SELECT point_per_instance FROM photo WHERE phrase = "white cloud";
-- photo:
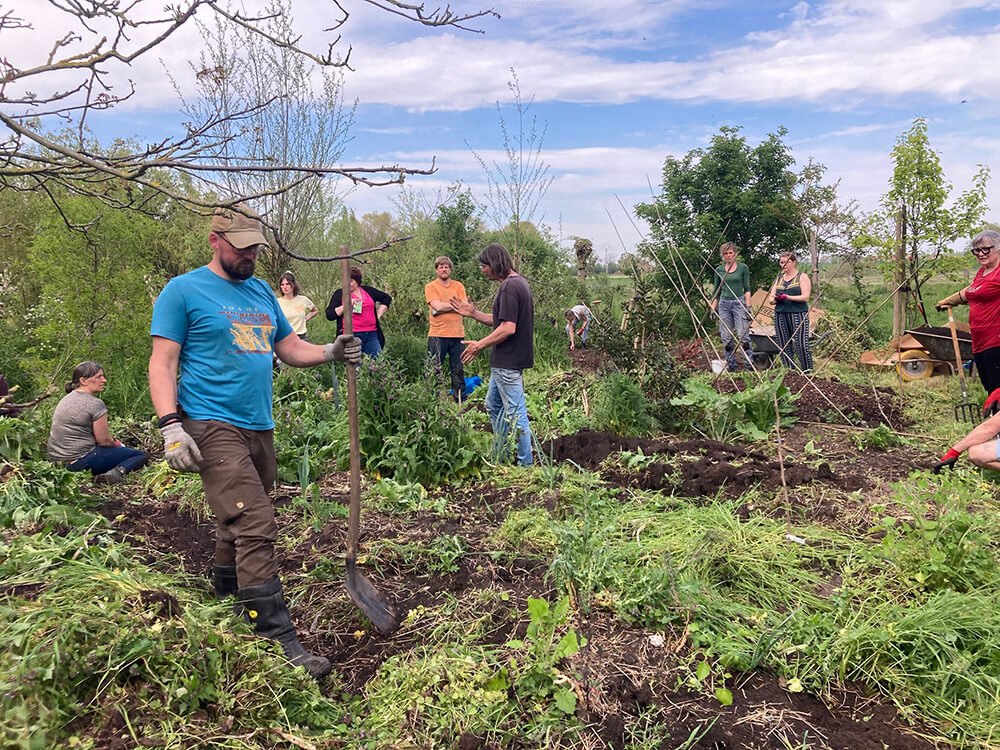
(844, 50)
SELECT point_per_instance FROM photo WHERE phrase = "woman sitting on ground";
(79, 438)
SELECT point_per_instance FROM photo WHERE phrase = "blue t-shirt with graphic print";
(227, 331)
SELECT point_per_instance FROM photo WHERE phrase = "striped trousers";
(792, 331)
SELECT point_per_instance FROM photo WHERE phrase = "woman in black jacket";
(367, 304)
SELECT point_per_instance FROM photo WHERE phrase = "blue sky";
(622, 85)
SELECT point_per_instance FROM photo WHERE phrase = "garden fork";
(967, 411)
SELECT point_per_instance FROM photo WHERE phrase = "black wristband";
(168, 419)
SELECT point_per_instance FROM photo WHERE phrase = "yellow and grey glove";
(344, 349)
(955, 299)
(179, 449)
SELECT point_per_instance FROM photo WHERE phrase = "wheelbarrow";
(917, 364)
(764, 342)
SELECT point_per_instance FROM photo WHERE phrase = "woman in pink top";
(367, 304)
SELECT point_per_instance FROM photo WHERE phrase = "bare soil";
(833, 402)
(623, 673)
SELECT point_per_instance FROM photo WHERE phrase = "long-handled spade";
(967, 411)
(362, 592)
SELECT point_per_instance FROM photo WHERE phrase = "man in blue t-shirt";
(220, 326)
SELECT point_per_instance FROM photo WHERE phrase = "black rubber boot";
(265, 607)
(224, 580)
(112, 476)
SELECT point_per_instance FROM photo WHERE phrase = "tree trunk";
(814, 254)
(899, 278)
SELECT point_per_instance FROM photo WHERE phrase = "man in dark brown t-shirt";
(512, 341)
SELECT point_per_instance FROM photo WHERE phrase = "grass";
(96, 639)
(909, 608)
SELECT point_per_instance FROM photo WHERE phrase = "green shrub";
(620, 407)
(309, 430)
(409, 431)
(409, 352)
(749, 413)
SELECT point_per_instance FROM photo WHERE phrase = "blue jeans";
(441, 346)
(104, 458)
(734, 328)
(370, 345)
(508, 411)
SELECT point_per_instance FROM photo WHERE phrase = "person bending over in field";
(579, 317)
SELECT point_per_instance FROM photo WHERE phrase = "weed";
(748, 413)
(880, 438)
(402, 498)
(832, 416)
(620, 406)
(442, 555)
(532, 668)
(636, 461)
(101, 637)
(410, 433)
(526, 531)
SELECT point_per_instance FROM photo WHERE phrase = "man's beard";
(241, 270)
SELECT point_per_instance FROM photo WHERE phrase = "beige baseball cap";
(240, 225)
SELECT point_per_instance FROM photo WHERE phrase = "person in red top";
(368, 305)
(983, 298)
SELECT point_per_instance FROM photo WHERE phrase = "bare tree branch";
(101, 39)
(357, 254)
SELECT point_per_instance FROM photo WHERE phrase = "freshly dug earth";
(718, 467)
(623, 674)
(833, 402)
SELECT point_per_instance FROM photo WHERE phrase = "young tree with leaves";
(930, 222)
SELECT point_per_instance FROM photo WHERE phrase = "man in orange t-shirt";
(447, 327)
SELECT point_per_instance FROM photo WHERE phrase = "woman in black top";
(790, 294)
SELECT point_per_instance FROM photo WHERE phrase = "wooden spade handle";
(354, 520)
(958, 352)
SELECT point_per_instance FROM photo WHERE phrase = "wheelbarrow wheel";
(914, 364)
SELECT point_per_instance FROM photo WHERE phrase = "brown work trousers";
(238, 469)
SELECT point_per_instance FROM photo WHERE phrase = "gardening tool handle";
(354, 519)
(958, 353)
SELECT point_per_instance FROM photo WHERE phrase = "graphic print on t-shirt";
(251, 331)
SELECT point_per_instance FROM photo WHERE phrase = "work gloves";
(944, 304)
(179, 449)
(947, 461)
(992, 405)
(344, 349)
(780, 297)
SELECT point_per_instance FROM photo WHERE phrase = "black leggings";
(988, 367)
